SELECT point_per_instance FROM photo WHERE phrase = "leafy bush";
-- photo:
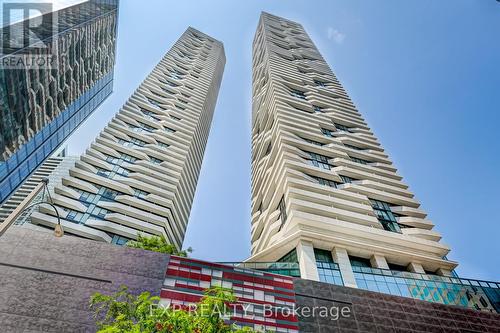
(157, 244)
(123, 312)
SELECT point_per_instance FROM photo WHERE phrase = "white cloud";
(335, 35)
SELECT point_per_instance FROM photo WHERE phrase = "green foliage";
(123, 312)
(157, 244)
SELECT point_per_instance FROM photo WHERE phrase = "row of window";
(382, 209)
(300, 94)
(385, 215)
(320, 161)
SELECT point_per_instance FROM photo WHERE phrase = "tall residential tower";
(324, 192)
(50, 84)
(140, 174)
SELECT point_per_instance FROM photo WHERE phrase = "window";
(119, 161)
(327, 132)
(297, 93)
(347, 180)
(132, 143)
(268, 150)
(359, 160)
(155, 160)
(99, 212)
(396, 267)
(164, 145)
(289, 257)
(341, 127)
(359, 262)
(318, 109)
(120, 171)
(282, 209)
(174, 75)
(328, 270)
(108, 193)
(149, 115)
(320, 83)
(104, 173)
(128, 158)
(140, 194)
(320, 161)
(74, 216)
(85, 196)
(119, 240)
(143, 128)
(323, 255)
(385, 215)
(169, 130)
(147, 127)
(327, 182)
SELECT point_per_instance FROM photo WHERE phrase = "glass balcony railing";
(474, 294)
(282, 268)
(469, 293)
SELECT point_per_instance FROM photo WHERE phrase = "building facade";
(41, 105)
(324, 192)
(140, 174)
(58, 275)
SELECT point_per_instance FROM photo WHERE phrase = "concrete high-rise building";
(50, 84)
(140, 174)
(324, 192)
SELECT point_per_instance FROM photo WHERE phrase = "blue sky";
(424, 73)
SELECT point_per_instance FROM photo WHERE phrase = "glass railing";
(282, 268)
(474, 294)
(469, 293)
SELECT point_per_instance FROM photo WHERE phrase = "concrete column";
(416, 268)
(342, 259)
(378, 261)
(307, 261)
(443, 272)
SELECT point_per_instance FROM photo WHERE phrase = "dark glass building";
(52, 77)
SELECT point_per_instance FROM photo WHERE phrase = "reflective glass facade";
(41, 106)
(479, 295)
(474, 294)
(282, 268)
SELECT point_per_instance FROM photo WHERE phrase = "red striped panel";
(189, 275)
(184, 266)
(186, 286)
(179, 296)
(264, 289)
(260, 322)
(255, 279)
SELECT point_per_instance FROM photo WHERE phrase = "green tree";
(123, 312)
(157, 244)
